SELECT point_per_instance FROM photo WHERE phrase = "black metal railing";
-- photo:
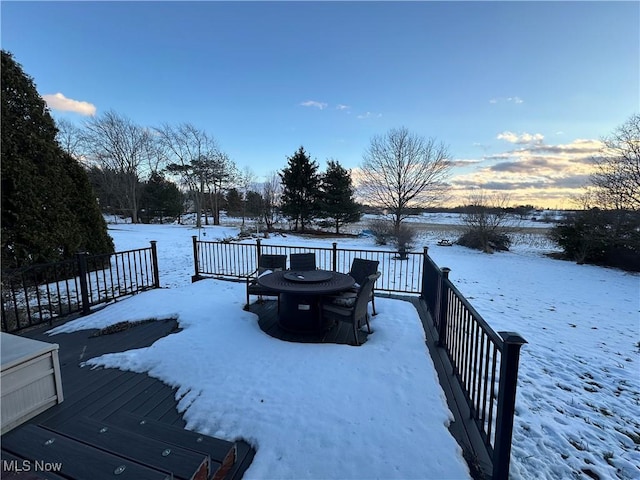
(41, 293)
(401, 271)
(484, 362)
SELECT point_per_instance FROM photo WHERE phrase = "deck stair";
(126, 446)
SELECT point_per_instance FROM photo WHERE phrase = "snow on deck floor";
(311, 410)
(579, 384)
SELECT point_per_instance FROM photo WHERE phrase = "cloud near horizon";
(537, 174)
(58, 101)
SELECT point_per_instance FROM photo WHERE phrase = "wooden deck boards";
(463, 428)
(102, 394)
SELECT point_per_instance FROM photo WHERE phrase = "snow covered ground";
(364, 408)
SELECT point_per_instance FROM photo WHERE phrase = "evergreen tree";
(301, 189)
(49, 210)
(161, 198)
(234, 203)
(255, 204)
(337, 196)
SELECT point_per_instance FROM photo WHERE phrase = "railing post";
(154, 260)
(444, 307)
(423, 286)
(81, 258)
(258, 251)
(334, 259)
(506, 403)
(196, 277)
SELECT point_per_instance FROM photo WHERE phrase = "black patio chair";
(360, 269)
(356, 313)
(265, 263)
(303, 262)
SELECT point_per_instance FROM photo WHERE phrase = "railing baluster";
(117, 273)
(492, 397)
(477, 352)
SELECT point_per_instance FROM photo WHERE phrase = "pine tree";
(161, 198)
(301, 189)
(337, 196)
(255, 204)
(234, 203)
(49, 210)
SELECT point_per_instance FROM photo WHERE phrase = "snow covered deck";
(119, 401)
(103, 394)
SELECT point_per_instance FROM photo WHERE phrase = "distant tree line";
(142, 171)
(146, 173)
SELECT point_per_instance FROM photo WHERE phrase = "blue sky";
(520, 91)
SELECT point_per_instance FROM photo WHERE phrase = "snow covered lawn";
(328, 411)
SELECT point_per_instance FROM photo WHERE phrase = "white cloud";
(58, 101)
(369, 115)
(523, 138)
(343, 107)
(313, 103)
(516, 100)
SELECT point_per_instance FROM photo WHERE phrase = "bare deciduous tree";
(271, 193)
(401, 170)
(246, 179)
(115, 143)
(488, 223)
(187, 149)
(617, 175)
(70, 137)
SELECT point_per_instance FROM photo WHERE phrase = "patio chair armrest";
(251, 278)
(253, 274)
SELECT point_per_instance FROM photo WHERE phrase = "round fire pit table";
(300, 294)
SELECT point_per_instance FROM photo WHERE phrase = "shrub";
(488, 223)
(405, 238)
(487, 241)
(382, 231)
(601, 237)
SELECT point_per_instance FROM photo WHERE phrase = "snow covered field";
(579, 385)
